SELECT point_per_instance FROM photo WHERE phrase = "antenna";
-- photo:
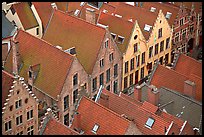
(99, 93)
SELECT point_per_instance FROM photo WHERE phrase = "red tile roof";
(7, 82)
(188, 5)
(149, 107)
(52, 73)
(74, 32)
(187, 66)
(118, 25)
(62, 5)
(25, 15)
(44, 10)
(54, 127)
(93, 113)
(140, 115)
(142, 16)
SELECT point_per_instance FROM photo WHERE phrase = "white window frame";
(18, 104)
(101, 62)
(19, 120)
(106, 43)
(113, 35)
(153, 9)
(152, 123)
(29, 129)
(168, 15)
(29, 114)
(123, 38)
(7, 125)
(95, 128)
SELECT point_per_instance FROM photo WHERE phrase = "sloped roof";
(7, 82)
(25, 15)
(118, 25)
(44, 10)
(188, 5)
(140, 114)
(54, 127)
(7, 27)
(62, 5)
(142, 16)
(71, 32)
(93, 113)
(54, 63)
(187, 66)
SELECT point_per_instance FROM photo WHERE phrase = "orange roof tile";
(188, 5)
(149, 107)
(117, 25)
(25, 15)
(44, 10)
(7, 82)
(54, 127)
(52, 73)
(93, 113)
(142, 16)
(74, 32)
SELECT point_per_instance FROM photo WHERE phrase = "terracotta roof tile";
(25, 15)
(149, 107)
(44, 10)
(93, 113)
(74, 32)
(118, 25)
(7, 82)
(188, 5)
(54, 127)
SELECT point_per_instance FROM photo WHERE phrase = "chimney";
(153, 95)
(138, 93)
(77, 119)
(16, 57)
(189, 88)
(104, 100)
(90, 15)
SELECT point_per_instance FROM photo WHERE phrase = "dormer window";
(113, 36)
(82, 4)
(120, 39)
(76, 13)
(147, 27)
(149, 123)
(95, 128)
(168, 15)
(153, 9)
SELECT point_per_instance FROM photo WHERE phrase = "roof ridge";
(107, 109)
(10, 75)
(200, 78)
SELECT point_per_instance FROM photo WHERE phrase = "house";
(147, 42)
(93, 47)
(56, 83)
(19, 107)
(92, 118)
(51, 126)
(22, 16)
(148, 118)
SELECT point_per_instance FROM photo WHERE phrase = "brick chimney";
(153, 95)
(16, 56)
(77, 119)
(138, 93)
(90, 15)
(104, 100)
(189, 88)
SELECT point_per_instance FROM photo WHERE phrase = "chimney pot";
(138, 93)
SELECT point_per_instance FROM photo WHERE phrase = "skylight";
(147, 27)
(120, 39)
(95, 128)
(118, 15)
(149, 122)
(76, 13)
(82, 3)
(168, 15)
(153, 9)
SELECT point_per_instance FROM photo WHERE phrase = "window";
(191, 29)
(184, 34)
(75, 79)
(143, 57)
(66, 119)
(66, 102)
(125, 82)
(156, 49)
(113, 36)
(168, 15)
(137, 4)
(150, 51)
(126, 67)
(135, 47)
(138, 60)
(115, 70)
(30, 74)
(30, 130)
(37, 31)
(29, 114)
(181, 22)
(131, 79)
(135, 37)
(167, 43)
(101, 79)
(94, 84)
(20, 133)
(120, 39)
(161, 60)
(75, 94)
(106, 43)
(107, 75)
(142, 73)
(19, 120)
(30, 87)
(141, 4)
(177, 37)
(11, 108)
(149, 122)
(18, 103)
(111, 57)
(8, 126)
(115, 87)
(132, 63)
(161, 46)
(101, 62)
(13, 10)
(160, 33)
(95, 128)
(108, 88)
